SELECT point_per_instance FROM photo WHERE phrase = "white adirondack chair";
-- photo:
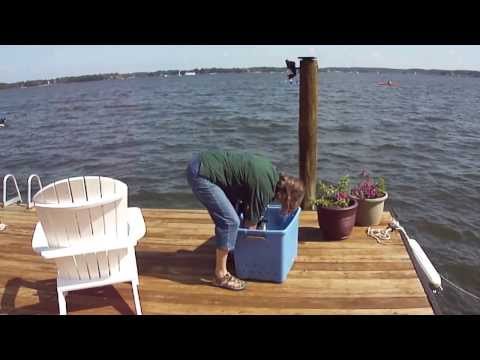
(87, 228)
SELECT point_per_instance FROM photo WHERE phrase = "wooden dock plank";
(176, 259)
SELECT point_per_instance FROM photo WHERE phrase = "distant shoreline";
(207, 71)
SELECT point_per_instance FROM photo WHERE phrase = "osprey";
(291, 69)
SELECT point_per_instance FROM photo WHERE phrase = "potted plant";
(371, 196)
(336, 210)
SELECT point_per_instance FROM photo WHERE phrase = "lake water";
(423, 137)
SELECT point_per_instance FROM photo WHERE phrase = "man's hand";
(251, 226)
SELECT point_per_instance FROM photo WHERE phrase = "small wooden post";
(307, 129)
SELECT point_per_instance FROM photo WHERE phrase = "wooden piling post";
(307, 129)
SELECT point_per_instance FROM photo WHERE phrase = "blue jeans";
(218, 205)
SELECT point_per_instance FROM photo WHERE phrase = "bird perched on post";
(291, 70)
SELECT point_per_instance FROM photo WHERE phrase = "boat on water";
(388, 83)
(190, 73)
(47, 84)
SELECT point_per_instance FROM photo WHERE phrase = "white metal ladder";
(16, 199)
(30, 204)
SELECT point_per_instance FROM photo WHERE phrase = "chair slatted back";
(68, 224)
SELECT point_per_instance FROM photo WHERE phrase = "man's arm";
(249, 224)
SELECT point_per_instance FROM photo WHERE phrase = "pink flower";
(367, 188)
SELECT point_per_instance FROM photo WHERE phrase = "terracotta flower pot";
(370, 211)
(337, 223)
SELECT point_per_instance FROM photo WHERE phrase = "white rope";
(381, 235)
(396, 226)
(2, 225)
(459, 288)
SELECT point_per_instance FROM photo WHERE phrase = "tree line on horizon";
(202, 71)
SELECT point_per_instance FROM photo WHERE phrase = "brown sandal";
(229, 282)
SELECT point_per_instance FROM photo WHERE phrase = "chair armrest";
(137, 230)
(136, 223)
(39, 241)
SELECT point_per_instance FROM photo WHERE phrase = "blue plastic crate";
(268, 254)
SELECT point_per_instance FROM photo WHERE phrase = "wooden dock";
(176, 259)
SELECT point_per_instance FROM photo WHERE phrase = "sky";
(33, 62)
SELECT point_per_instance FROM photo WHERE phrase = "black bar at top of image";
(306, 35)
(238, 23)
